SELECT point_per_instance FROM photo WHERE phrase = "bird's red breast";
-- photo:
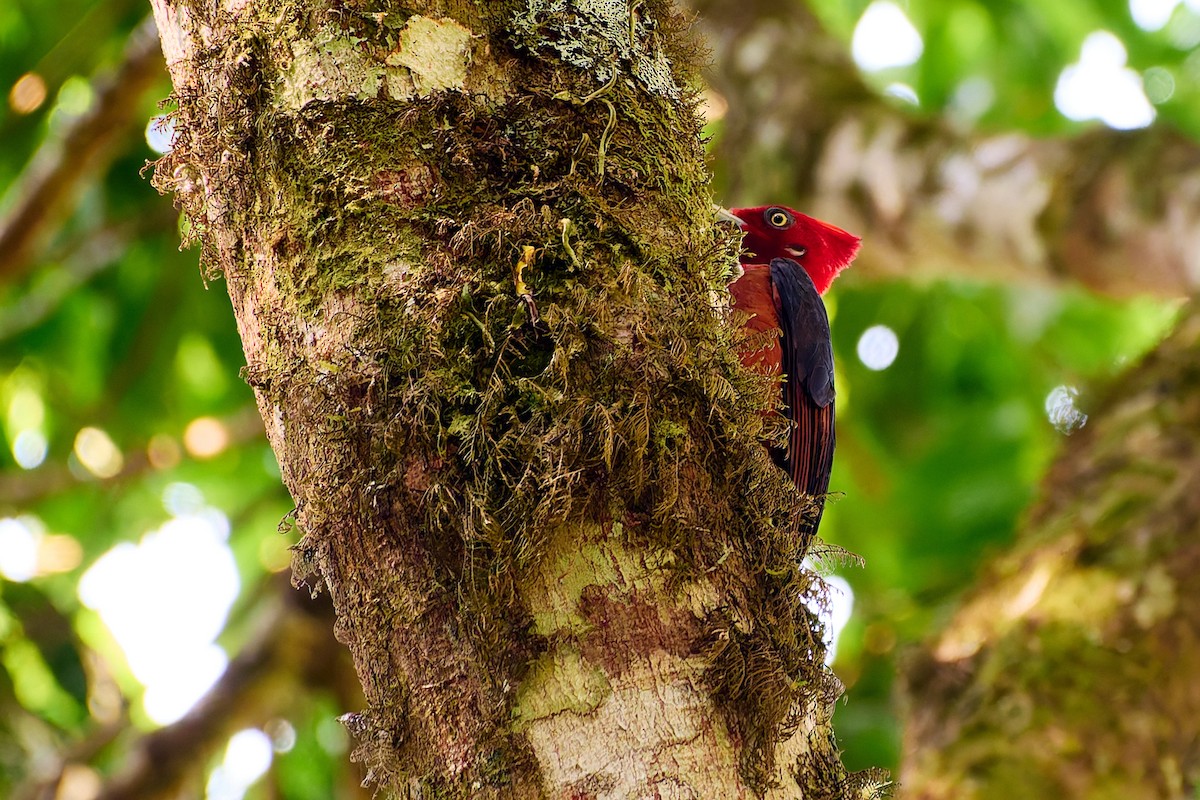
(752, 294)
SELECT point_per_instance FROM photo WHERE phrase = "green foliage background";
(938, 454)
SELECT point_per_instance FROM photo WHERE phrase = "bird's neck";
(822, 276)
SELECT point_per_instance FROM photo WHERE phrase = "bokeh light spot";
(205, 437)
(879, 638)
(274, 553)
(199, 368)
(163, 451)
(79, 782)
(1159, 84)
(98, 453)
(1100, 86)
(58, 553)
(1061, 410)
(171, 694)
(1183, 31)
(160, 133)
(27, 94)
(713, 106)
(19, 548)
(248, 755)
(27, 550)
(902, 91)
(973, 97)
(332, 736)
(841, 606)
(247, 758)
(884, 37)
(283, 735)
(165, 600)
(1152, 15)
(878, 347)
(75, 96)
(181, 499)
(29, 448)
(25, 409)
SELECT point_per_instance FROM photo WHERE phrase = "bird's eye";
(778, 218)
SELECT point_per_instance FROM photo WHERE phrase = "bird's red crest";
(822, 249)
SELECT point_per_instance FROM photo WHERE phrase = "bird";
(788, 261)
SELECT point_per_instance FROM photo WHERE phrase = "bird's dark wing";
(807, 363)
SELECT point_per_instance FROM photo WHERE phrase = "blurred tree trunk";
(537, 497)
(1071, 670)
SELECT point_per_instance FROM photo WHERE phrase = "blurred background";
(144, 531)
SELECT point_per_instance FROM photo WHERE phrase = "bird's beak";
(724, 215)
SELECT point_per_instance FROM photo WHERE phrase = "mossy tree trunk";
(558, 554)
(1072, 670)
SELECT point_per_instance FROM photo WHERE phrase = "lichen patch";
(660, 709)
(329, 67)
(561, 680)
(598, 36)
(432, 55)
(436, 52)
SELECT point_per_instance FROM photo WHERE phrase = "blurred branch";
(20, 488)
(52, 775)
(85, 258)
(293, 653)
(1071, 670)
(66, 161)
(1118, 212)
(295, 650)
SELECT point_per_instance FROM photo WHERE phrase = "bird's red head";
(771, 232)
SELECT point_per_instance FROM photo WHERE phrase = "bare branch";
(80, 261)
(20, 488)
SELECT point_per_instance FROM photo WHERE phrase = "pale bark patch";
(333, 66)
(330, 67)
(561, 681)
(632, 724)
(436, 52)
(557, 588)
(657, 728)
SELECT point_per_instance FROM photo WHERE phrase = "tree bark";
(1118, 212)
(1071, 671)
(471, 256)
